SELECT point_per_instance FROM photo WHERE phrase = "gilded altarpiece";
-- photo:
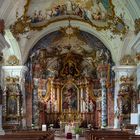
(64, 81)
(12, 103)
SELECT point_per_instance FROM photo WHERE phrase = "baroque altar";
(68, 87)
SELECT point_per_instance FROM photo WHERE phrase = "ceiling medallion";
(118, 27)
(69, 30)
(21, 26)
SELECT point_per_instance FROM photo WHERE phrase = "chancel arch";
(69, 71)
(83, 26)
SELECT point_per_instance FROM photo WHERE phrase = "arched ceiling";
(125, 13)
(62, 54)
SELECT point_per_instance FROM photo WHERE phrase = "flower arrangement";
(77, 130)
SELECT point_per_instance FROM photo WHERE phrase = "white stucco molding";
(13, 71)
(14, 48)
(135, 44)
(125, 68)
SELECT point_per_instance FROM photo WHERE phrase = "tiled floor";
(63, 138)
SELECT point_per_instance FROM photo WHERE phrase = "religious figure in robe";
(69, 7)
(91, 106)
(12, 105)
(98, 10)
(84, 105)
(69, 98)
(55, 106)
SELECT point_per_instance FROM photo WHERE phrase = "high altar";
(70, 97)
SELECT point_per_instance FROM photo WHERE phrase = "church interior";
(69, 67)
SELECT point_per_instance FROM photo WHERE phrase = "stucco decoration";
(127, 60)
(137, 26)
(137, 58)
(13, 61)
(98, 14)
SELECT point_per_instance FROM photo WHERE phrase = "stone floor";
(63, 138)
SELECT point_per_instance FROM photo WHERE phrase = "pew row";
(110, 135)
(28, 135)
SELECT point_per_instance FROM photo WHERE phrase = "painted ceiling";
(98, 13)
(82, 53)
(111, 21)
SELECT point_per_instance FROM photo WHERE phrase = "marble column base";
(137, 132)
(2, 132)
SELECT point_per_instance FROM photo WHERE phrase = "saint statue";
(69, 7)
(55, 106)
(91, 106)
(84, 106)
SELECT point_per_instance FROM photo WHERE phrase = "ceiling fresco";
(61, 55)
(98, 13)
(94, 11)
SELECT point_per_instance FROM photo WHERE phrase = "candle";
(44, 128)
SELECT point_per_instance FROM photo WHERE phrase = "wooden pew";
(110, 135)
(28, 135)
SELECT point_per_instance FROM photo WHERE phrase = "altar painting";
(69, 97)
(12, 105)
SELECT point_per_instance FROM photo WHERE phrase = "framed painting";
(12, 105)
(44, 88)
(70, 97)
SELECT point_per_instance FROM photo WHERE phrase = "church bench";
(110, 135)
(28, 135)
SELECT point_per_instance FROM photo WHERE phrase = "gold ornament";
(13, 60)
